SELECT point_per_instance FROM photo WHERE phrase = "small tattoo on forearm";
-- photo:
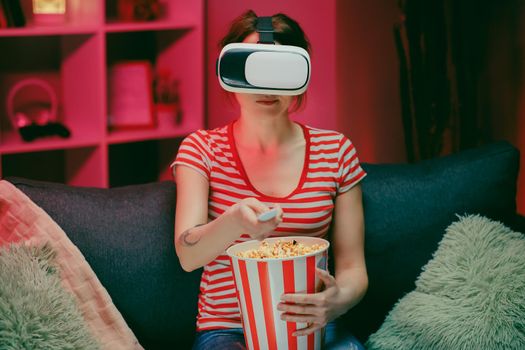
(183, 239)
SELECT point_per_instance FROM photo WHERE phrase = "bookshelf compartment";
(142, 162)
(87, 166)
(131, 163)
(83, 85)
(78, 166)
(174, 50)
(166, 155)
(136, 45)
(28, 53)
(78, 13)
(165, 50)
(175, 12)
(28, 165)
(66, 64)
(82, 12)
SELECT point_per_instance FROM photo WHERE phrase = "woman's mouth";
(267, 102)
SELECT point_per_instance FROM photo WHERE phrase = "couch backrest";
(126, 235)
(407, 208)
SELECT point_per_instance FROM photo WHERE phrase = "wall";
(368, 94)
(505, 81)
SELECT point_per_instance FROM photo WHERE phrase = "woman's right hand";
(245, 213)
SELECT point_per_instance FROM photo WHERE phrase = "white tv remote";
(268, 215)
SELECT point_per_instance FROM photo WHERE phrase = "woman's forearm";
(200, 245)
(353, 284)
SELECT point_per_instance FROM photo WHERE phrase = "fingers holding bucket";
(315, 309)
(312, 315)
(326, 278)
(311, 328)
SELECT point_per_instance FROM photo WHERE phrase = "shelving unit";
(76, 57)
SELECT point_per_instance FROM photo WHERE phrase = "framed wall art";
(130, 95)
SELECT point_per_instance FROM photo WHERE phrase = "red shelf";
(164, 132)
(119, 27)
(50, 30)
(12, 143)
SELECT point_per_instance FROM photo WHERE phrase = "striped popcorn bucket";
(260, 284)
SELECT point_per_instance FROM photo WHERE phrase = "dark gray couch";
(126, 234)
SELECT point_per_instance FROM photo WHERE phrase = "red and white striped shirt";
(331, 167)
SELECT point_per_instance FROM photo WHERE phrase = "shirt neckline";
(240, 165)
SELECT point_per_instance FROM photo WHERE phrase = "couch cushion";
(469, 295)
(407, 208)
(126, 235)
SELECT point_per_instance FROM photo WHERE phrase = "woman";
(226, 177)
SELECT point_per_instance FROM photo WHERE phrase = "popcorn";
(280, 249)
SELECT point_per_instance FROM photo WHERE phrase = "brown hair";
(286, 32)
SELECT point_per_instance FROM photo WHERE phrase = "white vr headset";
(264, 68)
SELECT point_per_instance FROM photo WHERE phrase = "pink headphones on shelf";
(35, 115)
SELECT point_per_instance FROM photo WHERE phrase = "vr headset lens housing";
(264, 69)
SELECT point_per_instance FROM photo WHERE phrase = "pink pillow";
(23, 222)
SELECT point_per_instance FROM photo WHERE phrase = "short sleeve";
(350, 171)
(195, 152)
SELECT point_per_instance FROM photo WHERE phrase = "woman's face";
(265, 104)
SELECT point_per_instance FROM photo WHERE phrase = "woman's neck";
(264, 134)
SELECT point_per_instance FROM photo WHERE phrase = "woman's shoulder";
(325, 134)
(210, 135)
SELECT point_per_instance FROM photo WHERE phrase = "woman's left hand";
(314, 309)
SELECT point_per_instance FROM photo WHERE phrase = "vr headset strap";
(265, 30)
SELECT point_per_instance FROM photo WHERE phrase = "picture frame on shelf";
(130, 95)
